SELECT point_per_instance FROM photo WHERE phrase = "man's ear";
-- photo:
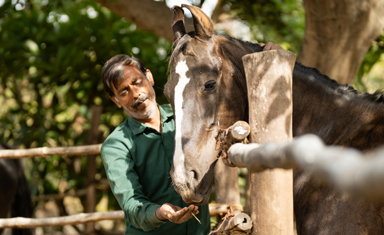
(150, 77)
(116, 101)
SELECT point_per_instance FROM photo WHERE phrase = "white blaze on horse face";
(178, 159)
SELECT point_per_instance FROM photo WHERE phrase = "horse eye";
(210, 85)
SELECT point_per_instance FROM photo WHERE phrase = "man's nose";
(135, 92)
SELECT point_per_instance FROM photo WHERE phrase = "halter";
(224, 142)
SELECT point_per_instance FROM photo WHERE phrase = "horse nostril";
(194, 174)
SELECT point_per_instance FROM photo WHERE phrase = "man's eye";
(210, 85)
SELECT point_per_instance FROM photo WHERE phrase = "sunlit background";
(51, 55)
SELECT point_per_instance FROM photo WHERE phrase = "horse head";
(207, 90)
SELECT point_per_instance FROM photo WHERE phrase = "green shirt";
(137, 160)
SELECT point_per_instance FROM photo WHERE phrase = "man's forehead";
(131, 70)
(130, 73)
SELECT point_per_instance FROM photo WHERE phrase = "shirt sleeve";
(124, 183)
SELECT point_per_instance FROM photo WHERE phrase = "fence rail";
(347, 169)
(21, 222)
(50, 151)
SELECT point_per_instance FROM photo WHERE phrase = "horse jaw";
(193, 190)
(193, 178)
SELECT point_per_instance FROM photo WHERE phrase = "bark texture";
(338, 34)
(269, 85)
(148, 15)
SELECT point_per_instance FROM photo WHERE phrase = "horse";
(207, 90)
(15, 197)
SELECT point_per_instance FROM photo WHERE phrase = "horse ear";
(202, 23)
(178, 23)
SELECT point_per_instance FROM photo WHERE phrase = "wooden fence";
(50, 151)
(347, 169)
(82, 218)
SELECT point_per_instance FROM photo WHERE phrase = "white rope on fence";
(50, 151)
(347, 169)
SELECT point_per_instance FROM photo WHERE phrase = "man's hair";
(113, 70)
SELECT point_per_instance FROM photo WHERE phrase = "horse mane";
(178, 46)
(343, 90)
(254, 47)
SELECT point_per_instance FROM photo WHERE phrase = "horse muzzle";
(191, 189)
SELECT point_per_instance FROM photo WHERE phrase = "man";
(138, 155)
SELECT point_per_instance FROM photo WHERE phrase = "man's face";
(135, 94)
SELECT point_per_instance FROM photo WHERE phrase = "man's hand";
(176, 214)
(270, 46)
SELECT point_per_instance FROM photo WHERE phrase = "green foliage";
(51, 56)
(278, 21)
(364, 82)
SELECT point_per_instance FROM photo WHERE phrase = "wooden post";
(269, 84)
(90, 201)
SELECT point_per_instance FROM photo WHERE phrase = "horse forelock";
(178, 47)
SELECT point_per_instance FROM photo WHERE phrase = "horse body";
(14, 192)
(337, 113)
(207, 90)
(340, 116)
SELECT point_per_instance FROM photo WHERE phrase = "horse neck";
(232, 50)
(339, 117)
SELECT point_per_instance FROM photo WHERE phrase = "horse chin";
(195, 198)
(200, 193)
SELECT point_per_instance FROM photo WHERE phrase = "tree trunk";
(148, 15)
(338, 34)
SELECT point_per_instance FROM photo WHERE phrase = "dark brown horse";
(15, 198)
(207, 90)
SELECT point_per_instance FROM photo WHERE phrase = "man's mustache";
(139, 101)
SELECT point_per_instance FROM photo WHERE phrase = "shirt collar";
(166, 112)
(137, 127)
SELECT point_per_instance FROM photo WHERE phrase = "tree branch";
(148, 15)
